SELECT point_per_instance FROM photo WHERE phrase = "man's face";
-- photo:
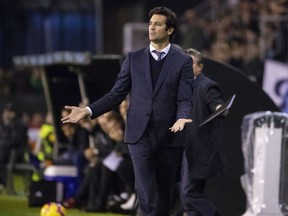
(8, 115)
(157, 29)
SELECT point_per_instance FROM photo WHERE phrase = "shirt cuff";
(89, 110)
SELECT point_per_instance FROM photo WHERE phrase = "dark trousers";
(126, 174)
(155, 171)
(192, 194)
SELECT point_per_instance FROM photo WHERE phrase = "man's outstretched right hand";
(76, 114)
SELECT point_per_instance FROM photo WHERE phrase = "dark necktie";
(159, 54)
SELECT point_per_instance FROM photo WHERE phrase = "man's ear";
(202, 66)
(170, 30)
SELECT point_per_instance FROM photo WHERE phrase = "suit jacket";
(204, 144)
(170, 100)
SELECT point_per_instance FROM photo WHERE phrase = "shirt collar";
(165, 50)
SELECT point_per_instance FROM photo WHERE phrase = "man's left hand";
(179, 125)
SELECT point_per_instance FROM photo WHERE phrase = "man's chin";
(154, 41)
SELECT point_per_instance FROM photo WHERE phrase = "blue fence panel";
(41, 32)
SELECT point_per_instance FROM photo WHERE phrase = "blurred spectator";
(6, 85)
(72, 153)
(101, 179)
(252, 64)
(193, 31)
(99, 147)
(34, 125)
(123, 108)
(115, 169)
(13, 135)
(27, 79)
(35, 79)
(41, 152)
(238, 36)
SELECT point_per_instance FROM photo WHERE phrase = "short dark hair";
(196, 54)
(171, 18)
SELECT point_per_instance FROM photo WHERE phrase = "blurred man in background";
(13, 135)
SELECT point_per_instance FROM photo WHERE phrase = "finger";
(175, 129)
(65, 121)
(172, 129)
(68, 107)
(65, 118)
(69, 121)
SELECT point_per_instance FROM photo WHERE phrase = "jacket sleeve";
(117, 94)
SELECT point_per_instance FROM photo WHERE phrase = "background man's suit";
(204, 155)
(152, 111)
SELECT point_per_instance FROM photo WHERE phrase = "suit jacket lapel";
(165, 69)
(146, 68)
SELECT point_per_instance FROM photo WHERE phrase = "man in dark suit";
(160, 106)
(203, 154)
(13, 137)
